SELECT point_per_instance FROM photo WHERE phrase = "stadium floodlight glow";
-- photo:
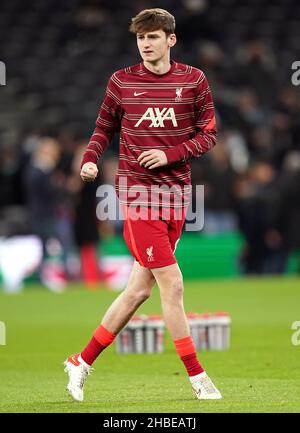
(2, 74)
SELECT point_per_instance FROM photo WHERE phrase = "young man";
(164, 112)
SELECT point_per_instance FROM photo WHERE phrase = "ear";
(172, 40)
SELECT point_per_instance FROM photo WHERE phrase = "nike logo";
(74, 361)
(138, 94)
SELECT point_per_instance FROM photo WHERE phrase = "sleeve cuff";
(89, 157)
(173, 155)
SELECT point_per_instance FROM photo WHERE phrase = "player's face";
(155, 46)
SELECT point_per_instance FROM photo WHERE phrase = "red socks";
(100, 340)
(186, 350)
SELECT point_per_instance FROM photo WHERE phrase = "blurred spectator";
(249, 113)
(289, 212)
(257, 206)
(114, 225)
(9, 176)
(214, 174)
(43, 187)
(281, 137)
(256, 69)
(194, 21)
(210, 57)
(289, 104)
(86, 225)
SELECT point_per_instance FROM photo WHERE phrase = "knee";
(177, 288)
(173, 291)
(143, 294)
(139, 294)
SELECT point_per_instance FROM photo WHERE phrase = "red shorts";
(152, 242)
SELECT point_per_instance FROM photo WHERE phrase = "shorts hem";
(154, 266)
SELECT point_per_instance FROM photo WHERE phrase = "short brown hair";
(150, 20)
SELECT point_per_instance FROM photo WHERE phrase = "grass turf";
(259, 373)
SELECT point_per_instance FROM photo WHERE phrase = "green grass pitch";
(259, 373)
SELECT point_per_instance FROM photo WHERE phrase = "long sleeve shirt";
(173, 112)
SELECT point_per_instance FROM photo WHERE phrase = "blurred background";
(59, 56)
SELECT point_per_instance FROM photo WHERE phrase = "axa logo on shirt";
(158, 116)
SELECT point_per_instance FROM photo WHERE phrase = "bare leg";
(137, 291)
(170, 282)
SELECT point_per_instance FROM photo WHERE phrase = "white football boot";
(203, 387)
(78, 371)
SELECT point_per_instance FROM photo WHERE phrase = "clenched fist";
(89, 172)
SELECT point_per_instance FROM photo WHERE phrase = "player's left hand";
(152, 158)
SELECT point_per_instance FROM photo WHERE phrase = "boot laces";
(208, 386)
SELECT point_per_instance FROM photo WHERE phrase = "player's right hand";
(89, 172)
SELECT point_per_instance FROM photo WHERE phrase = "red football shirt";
(173, 112)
